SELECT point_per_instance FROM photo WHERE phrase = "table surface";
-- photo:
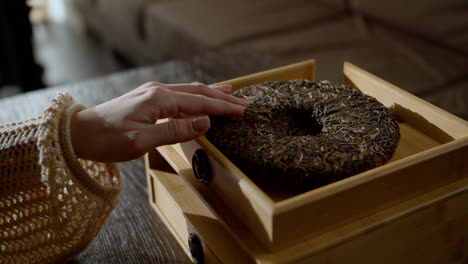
(134, 233)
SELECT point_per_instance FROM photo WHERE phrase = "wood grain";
(429, 228)
(428, 156)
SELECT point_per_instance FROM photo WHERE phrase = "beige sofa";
(421, 46)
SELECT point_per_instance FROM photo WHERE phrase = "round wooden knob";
(201, 166)
(196, 249)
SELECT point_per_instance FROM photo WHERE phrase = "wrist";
(77, 133)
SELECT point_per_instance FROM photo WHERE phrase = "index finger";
(195, 104)
(209, 91)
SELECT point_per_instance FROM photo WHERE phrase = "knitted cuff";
(108, 193)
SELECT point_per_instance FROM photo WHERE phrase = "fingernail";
(240, 109)
(242, 101)
(201, 123)
(227, 87)
(245, 102)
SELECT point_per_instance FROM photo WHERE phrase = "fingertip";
(225, 88)
(201, 124)
(244, 102)
(228, 88)
(239, 110)
(231, 109)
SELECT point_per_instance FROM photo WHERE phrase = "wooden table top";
(134, 233)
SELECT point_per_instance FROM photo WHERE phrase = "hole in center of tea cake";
(303, 123)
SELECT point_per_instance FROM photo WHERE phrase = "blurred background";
(420, 46)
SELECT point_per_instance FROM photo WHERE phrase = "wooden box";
(410, 209)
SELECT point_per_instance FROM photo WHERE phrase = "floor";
(68, 56)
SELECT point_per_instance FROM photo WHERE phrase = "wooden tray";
(431, 153)
(429, 228)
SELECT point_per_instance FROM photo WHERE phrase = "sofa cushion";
(85, 4)
(337, 34)
(125, 15)
(441, 21)
(409, 62)
(186, 27)
(124, 21)
(452, 98)
(120, 25)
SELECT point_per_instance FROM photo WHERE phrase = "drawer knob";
(196, 249)
(201, 166)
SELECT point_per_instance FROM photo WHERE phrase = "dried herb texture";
(306, 134)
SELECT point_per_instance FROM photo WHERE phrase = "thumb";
(179, 130)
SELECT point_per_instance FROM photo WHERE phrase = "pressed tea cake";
(306, 134)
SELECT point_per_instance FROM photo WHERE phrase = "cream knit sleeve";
(52, 204)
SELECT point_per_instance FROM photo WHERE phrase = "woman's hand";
(124, 128)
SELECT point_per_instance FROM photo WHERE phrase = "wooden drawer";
(430, 156)
(430, 228)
